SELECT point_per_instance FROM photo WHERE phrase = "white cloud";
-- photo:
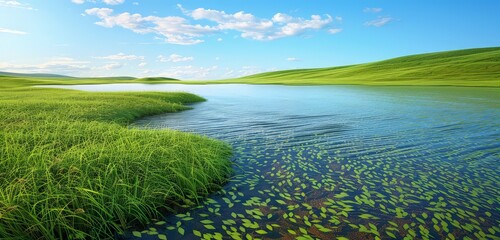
(292, 59)
(113, 2)
(219, 39)
(335, 30)
(248, 70)
(379, 22)
(280, 25)
(228, 74)
(5, 30)
(174, 58)
(178, 30)
(121, 56)
(281, 18)
(146, 73)
(372, 10)
(175, 30)
(61, 65)
(111, 66)
(108, 2)
(190, 72)
(142, 64)
(135, 3)
(15, 4)
(243, 71)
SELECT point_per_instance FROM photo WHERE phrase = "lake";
(342, 161)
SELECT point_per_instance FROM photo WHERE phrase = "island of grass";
(71, 168)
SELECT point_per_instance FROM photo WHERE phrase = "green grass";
(70, 167)
(479, 67)
(469, 67)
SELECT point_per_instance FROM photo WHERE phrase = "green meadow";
(470, 67)
(476, 67)
(72, 168)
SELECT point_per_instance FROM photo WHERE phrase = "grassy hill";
(479, 67)
(469, 67)
(33, 75)
(11, 81)
(156, 79)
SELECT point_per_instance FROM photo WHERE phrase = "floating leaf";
(269, 227)
(162, 236)
(390, 234)
(368, 216)
(261, 232)
(341, 195)
(209, 227)
(451, 236)
(280, 201)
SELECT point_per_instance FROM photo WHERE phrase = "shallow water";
(343, 161)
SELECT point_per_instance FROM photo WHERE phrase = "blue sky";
(198, 39)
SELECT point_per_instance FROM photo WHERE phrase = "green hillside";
(8, 81)
(469, 67)
(156, 79)
(33, 75)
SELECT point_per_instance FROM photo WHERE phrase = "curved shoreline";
(71, 168)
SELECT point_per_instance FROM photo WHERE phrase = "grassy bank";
(470, 67)
(71, 168)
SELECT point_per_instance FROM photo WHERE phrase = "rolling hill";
(479, 67)
(469, 67)
(33, 75)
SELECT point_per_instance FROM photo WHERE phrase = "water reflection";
(343, 161)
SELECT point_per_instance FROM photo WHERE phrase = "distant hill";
(114, 78)
(62, 77)
(12, 80)
(469, 67)
(33, 75)
(156, 79)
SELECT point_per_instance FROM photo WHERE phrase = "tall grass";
(71, 168)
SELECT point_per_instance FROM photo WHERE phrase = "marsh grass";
(71, 168)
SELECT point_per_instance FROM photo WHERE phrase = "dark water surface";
(326, 162)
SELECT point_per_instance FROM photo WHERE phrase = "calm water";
(343, 161)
